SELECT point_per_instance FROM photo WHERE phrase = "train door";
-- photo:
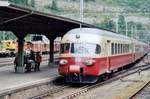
(108, 53)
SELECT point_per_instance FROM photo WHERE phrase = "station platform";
(9, 80)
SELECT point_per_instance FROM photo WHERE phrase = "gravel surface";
(144, 94)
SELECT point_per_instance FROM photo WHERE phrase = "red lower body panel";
(76, 65)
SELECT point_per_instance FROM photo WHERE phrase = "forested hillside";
(131, 5)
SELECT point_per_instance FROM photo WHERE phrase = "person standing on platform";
(16, 62)
(38, 61)
(32, 56)
(31, 61)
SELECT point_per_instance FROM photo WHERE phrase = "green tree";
(108, 24)
(130, 27)
(54, 5)
(121, 25)
(89, 0)
(32, 3)
(21, 2)
(111, 25)
(140, 31)
(104, 24)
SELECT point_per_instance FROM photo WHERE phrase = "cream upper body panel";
(97, 36)
(91, 35)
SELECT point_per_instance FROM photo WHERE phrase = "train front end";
(79, 57)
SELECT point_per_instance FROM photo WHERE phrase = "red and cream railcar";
(40, 46)
(41, 43)
(88, 53)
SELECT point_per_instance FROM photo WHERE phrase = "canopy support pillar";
(20, 56)
(51, 54)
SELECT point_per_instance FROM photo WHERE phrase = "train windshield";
(79, 48)
(65, 48)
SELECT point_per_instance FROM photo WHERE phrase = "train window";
(131, 47)
(72, 48)
(115, 48)
(112, 48)
(128, 48)
(45, 45)
(118, 48)
(98, 49)
(65, 48)
(121, 48)
(79, 48)
(125, 48)
(37, 38)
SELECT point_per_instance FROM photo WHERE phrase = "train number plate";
(74, 68)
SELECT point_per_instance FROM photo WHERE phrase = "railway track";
(55, 86)
(75, 92)
(58, 91)
(50, 92)
(58, 87)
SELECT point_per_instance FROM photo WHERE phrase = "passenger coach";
(87, 53)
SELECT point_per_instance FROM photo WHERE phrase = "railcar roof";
(97, 32)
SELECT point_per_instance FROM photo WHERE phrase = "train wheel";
(107, 76)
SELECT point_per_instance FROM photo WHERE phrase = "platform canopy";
(22, 20)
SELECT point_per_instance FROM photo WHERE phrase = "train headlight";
(89, 62)
(63, 62)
